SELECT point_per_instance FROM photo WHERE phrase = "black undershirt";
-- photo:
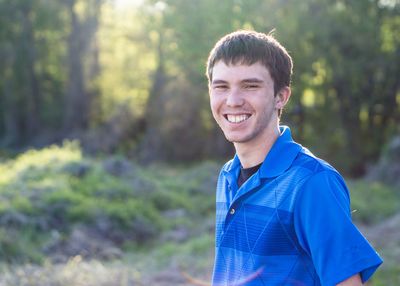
(246, 173)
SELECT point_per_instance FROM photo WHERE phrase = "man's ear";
(282, 98)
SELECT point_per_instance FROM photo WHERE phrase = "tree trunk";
(92, 51)
(11, 129)
(76, 101)
(151, 145)
(33, 97)
(349, 109)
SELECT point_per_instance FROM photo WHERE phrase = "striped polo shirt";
(288, 224)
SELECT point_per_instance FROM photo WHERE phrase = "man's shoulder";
(312, 164)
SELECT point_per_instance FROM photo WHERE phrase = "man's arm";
(352, 281)
(326, 232)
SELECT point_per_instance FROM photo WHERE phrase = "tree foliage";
(69, 67)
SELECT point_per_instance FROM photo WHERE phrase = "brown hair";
(249, 47)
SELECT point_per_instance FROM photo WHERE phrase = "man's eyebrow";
(252, 80)
(246, 80)
(219, 81)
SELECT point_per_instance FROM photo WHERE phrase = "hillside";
(68, 219)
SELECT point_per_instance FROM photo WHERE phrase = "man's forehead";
(242, 70)
(237, 62)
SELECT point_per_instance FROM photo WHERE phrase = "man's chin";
(235, 139)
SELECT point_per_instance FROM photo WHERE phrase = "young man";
(283, 215)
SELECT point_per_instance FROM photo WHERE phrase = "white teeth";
(237, 118)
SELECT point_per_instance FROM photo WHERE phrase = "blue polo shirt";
(288, 224)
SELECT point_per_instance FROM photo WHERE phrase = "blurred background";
(108, 150)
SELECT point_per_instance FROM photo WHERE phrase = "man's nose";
(234, 98)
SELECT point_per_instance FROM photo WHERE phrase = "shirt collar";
(281, 155)
(277, 161)
(231, 171)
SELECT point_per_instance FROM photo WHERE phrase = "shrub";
(57, 188)
(372, 202)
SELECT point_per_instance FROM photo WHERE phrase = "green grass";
(388, 275)
(55, 189)
(372, 202)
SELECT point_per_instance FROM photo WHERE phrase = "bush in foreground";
(57, 202)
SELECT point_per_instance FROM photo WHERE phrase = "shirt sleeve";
(322, 221)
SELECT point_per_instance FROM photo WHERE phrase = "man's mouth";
(237, 118)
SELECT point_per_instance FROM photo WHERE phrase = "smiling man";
(282, 214)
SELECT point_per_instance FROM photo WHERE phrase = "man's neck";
(253, 153)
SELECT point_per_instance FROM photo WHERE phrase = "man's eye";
(251, 86)
(221, 87)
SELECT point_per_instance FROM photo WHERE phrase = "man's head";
(249, 47)
(249, 78)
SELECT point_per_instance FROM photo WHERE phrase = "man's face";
(242, 101)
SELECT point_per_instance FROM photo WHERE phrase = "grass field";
(66, 219)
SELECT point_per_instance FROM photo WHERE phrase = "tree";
(361, 82)
(82, 32)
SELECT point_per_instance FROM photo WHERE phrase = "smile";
(237, 118)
